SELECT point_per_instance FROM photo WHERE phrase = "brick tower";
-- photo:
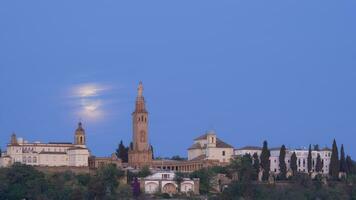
(140, 154)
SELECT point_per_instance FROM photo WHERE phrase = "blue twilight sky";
(282, 71)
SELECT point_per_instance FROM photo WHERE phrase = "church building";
(52, 154)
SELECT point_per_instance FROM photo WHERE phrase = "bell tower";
(79, 138)
(141, 154)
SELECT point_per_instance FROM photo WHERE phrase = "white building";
(50, 154)
(164, 182)
(209, 147)
(302, 158)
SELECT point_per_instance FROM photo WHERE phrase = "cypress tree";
(319, 164)
(349, 164)
(334, 162)
(265, 162)
(310, 159)
(0, 152)
(256, 165)
(316, 147)
(153, 157)
(293, 163)
(126, 158)
(121, 152)
(282, 163)
(342, 160)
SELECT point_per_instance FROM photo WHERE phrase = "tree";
(178, 178)
(22, 182)
(122, 153)
(343, 166)
(282, 163)
(310, 159)
(153, 157)
(319, 164)
(144, 172)
(0, 152)
(293, 163)
(334, 162)
(205, 176)
(265, 162)
(109, 176)
(256, 165)
(177, 157)
(247, 171)
(349, 164)
(316, 147)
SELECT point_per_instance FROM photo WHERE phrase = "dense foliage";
(25, 182)
(303, 188)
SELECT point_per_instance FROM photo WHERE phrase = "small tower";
(211, 138)
(13, 139)
(79, 138)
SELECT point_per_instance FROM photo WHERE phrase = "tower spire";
(140, 100)
(140, 89)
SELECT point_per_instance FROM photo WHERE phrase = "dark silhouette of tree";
(282, 163)
(122, 152)
(316, 147)
(256, 165)
(153, 157)
(349, 164)
(265, 162)
(318, 164)
(334, 162)
(343, 166)
(293, 163)
(177, 157)
(310, 159)
(0, 152)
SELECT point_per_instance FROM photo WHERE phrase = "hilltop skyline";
(281, 72)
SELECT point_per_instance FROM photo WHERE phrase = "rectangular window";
(223, 153)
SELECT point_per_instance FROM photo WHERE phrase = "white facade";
(53, 154)
(302, 158)
(209, 147)
(164, 182)
(46, 154)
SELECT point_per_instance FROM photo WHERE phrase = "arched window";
(81, 140)
(29, 160)
(34, 159)
(142, 136)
